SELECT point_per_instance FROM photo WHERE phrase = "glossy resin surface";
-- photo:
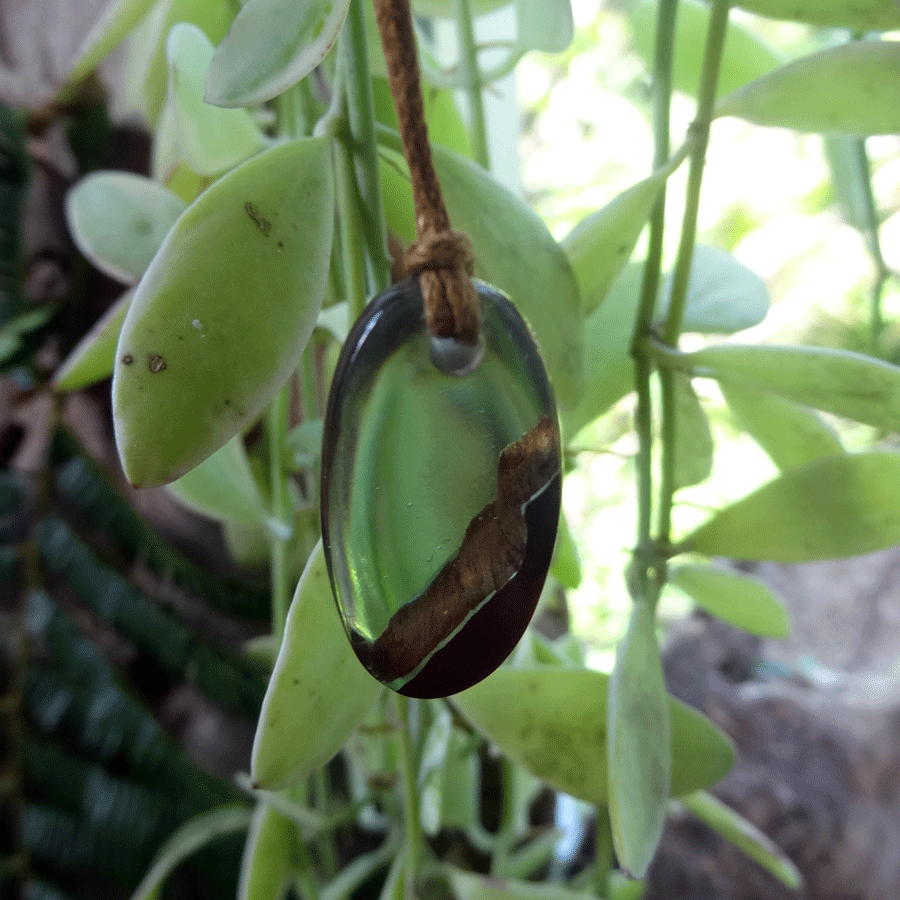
(440, 491)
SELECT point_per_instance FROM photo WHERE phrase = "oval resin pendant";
(440, 491)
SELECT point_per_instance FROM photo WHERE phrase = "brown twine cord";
(441, 257)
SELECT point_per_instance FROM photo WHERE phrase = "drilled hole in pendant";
(453, 357)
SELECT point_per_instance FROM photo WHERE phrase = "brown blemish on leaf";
(491, 553)
(155, 363)
(127, 359)
(262, 223)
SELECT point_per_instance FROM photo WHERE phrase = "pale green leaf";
(515, 252)
(745, 836)
(845, 384)
(212, 140)
(608, 364)
(446, 9)
(789, 433)
(858, 15)
(145, 76)
(222, 486)
(566, 563)
(469, 886)
(850, 178)
(640, 759)
(600, 244)
(119, 17)
(93, 357)
(694, 446)
(271, 46)
(187, 840)
(266, 867)
(223, 314)
(545, 25)
(319, 691)
(744, 57)
(861, 99)
(723, 297)
(552, 722)
(736, 598)
(832, 507)
(118, 221)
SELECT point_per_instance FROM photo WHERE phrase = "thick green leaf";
(847, 161)
(223, 314)
(119, 17)
(552, 721)
(745, 56)
(446, 9)
(600, 244)
(469, 886)
(271, 46)
(832, 507)
(267, 864)
(694, 446)
(118, 221)
(566, 563)
(640, 760)
(94, 356)
(545, 25)
(861, 99)
(222, 486)
(739, 599)
(187, 840)
(515, 251)
(836, 381)
(723, 297)
(791, 434)
(745, 836)
(319, 691)
(608, 364)
(858, 15)
(145, 74)
(212, 140)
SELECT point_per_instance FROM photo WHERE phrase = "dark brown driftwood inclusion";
(493, 551)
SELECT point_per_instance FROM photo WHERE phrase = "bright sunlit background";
(767, 198)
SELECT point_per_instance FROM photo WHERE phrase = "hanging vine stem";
(363, 146)
(662, 97)
(441, 257)
(474, 82)
(712, 59)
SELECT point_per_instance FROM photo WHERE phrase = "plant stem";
(412, 819)
(474, 82)
(873, 242)
(715, 42)
(277, 422)
(363, 147)
(603, 857)
(662, 96)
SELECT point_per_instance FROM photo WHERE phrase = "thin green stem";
(662, 96)
(352, 261)
(363, 146)
(412, 819)
(474, 82)
(715, 43)
(603, 858)
(871, 232)
(277, 424)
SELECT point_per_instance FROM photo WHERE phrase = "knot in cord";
(444, 263)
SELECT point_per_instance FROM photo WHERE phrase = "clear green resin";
(440, 491)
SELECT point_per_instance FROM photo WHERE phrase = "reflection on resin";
(440, 492)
